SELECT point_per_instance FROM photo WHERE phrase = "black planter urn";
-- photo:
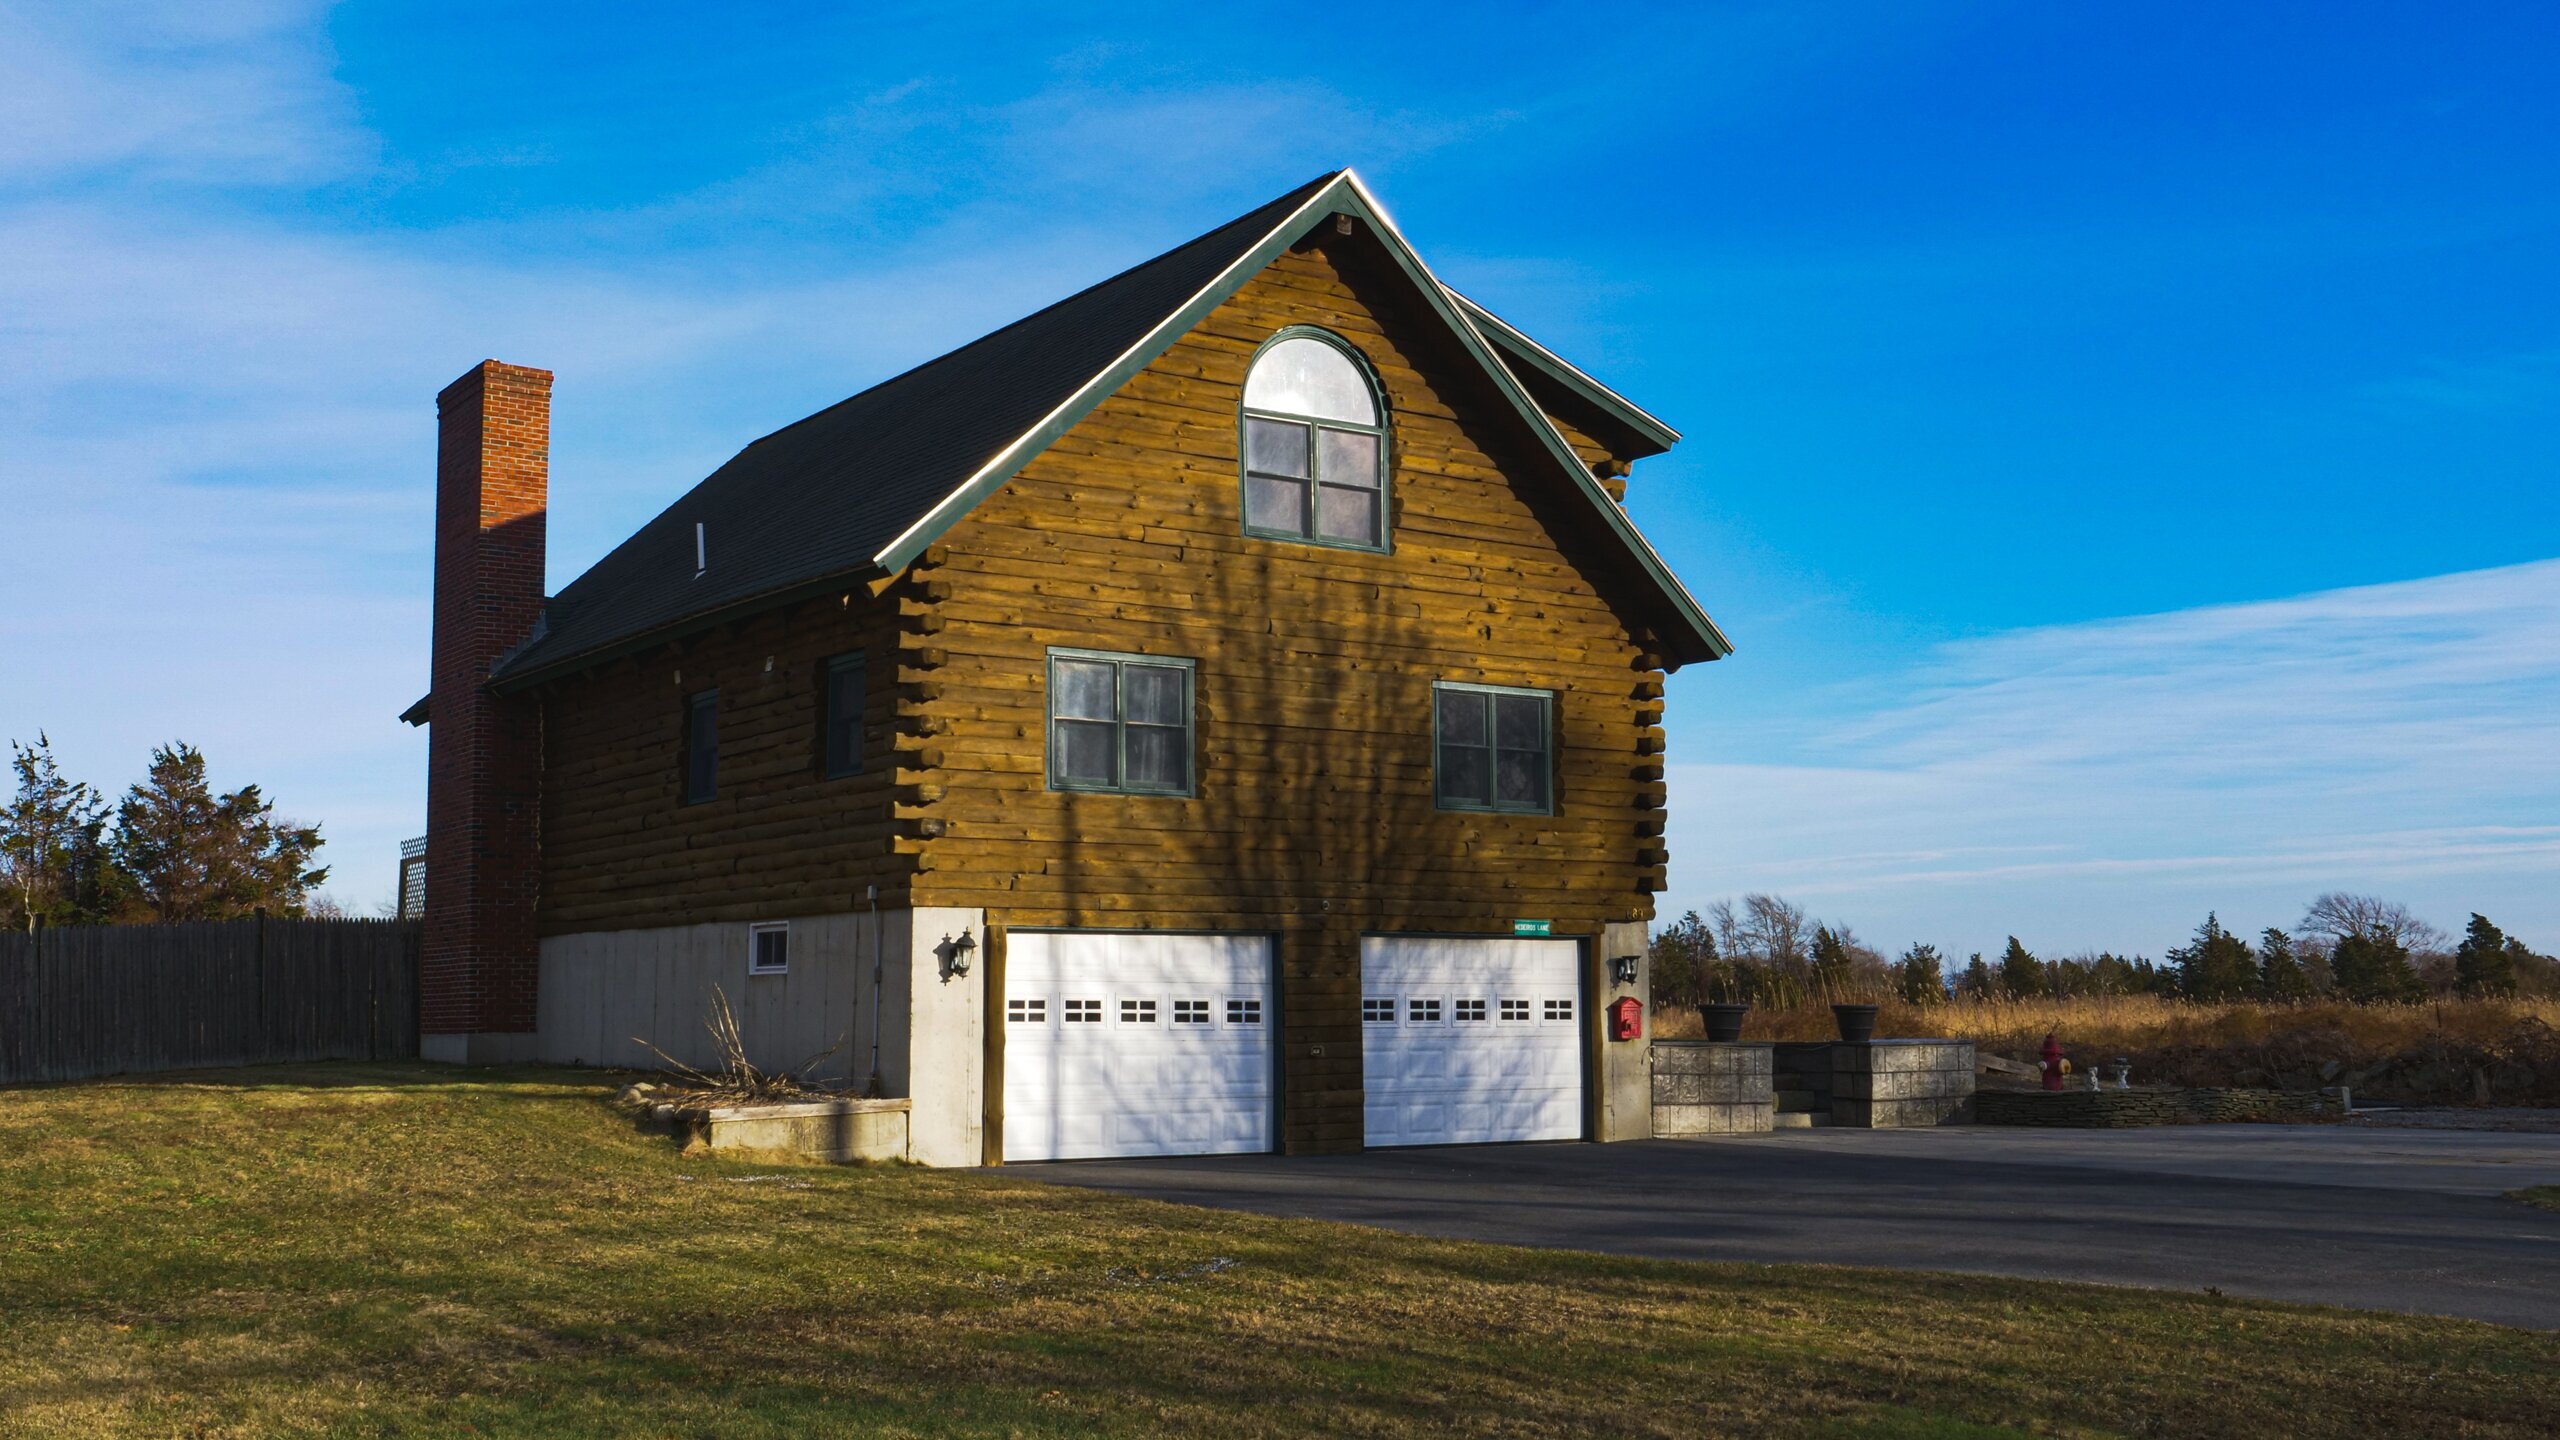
(1724, 1022)
(1857, 1022)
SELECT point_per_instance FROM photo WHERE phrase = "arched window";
(1314, 442)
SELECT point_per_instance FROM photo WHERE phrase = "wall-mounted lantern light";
(1623, 968)
(956, 953)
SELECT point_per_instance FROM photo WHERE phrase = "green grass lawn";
(383, 1250)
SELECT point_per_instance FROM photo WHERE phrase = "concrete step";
(1799, 1120)
(1800, 1102)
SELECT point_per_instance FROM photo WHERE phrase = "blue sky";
(2121, 440)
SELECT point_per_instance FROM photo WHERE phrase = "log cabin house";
(1219, 712)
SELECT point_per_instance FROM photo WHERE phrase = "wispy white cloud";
(198, 92)
(2090, 784)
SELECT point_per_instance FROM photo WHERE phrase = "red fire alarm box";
(1626, 1018)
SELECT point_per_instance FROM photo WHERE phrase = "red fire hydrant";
(2052, 1062)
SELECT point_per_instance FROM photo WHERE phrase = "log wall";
(1314, 817)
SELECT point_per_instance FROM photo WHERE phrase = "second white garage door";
(1470, 1041)
(1136, 1044)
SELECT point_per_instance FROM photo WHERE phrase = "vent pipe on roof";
(701, 551)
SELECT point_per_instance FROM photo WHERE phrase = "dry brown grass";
(364, 1251)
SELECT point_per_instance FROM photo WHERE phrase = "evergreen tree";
(2536, 974)
(1831, 964)
(2216, 965)
(53, 863)
(2022, 975)
(195, 855)
(1917, 976)
(1977, 978)
(2280, 973)
(1684, 961)
(2372, 966)
(2482, 964)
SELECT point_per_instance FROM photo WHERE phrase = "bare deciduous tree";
(1774, 931)
(2336, 915)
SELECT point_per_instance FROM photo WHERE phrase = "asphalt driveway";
(2383, 1219)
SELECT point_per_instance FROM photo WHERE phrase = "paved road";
(2383, 1219)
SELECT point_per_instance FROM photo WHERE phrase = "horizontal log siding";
(622, 850)
(1314, 817)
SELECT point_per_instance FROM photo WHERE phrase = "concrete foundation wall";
(605, 992)
(838, 1131)
(1624, 1075)
(939, 1062)
(1708, 1087)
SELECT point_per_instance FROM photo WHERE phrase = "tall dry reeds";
(2452, 1051)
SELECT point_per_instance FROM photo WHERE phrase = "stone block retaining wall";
(1707, 1087)
(1901, 1084)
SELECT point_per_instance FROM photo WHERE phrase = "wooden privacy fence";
(116, 999)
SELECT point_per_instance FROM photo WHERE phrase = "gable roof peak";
(860, 488)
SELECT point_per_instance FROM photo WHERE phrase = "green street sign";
(1533, 927)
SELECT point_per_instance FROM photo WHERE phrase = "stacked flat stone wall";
(2120, 1109)
(1708, 1087)
(1901, 1084)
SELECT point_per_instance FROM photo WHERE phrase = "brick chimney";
(484, 760)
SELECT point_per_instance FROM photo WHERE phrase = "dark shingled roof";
(818, 499)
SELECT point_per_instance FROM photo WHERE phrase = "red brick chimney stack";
(484, 761)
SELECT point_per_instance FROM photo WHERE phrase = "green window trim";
(1456, 761)
(1310, 529)
(1074, 761)
(843, 690)
(702, 747)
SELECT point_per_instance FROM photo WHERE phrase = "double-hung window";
(1119, 723)
(840, 728)
(1314, 442)
(702, 748)
(1496, 748)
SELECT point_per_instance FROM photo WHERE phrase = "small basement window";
(1495, 748)
(1119, 723)
(769, 947)
(702, 748)
(840, 728)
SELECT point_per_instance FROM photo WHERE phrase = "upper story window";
(840, 720)
(1119, 723)
(1496, 748)
(1314, 444)
(702, 747)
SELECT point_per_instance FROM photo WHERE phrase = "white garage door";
(1470, 1041)
(1136, 1045)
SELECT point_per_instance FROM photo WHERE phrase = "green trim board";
(1515, 342)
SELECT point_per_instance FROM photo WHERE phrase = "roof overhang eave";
(521, 676)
